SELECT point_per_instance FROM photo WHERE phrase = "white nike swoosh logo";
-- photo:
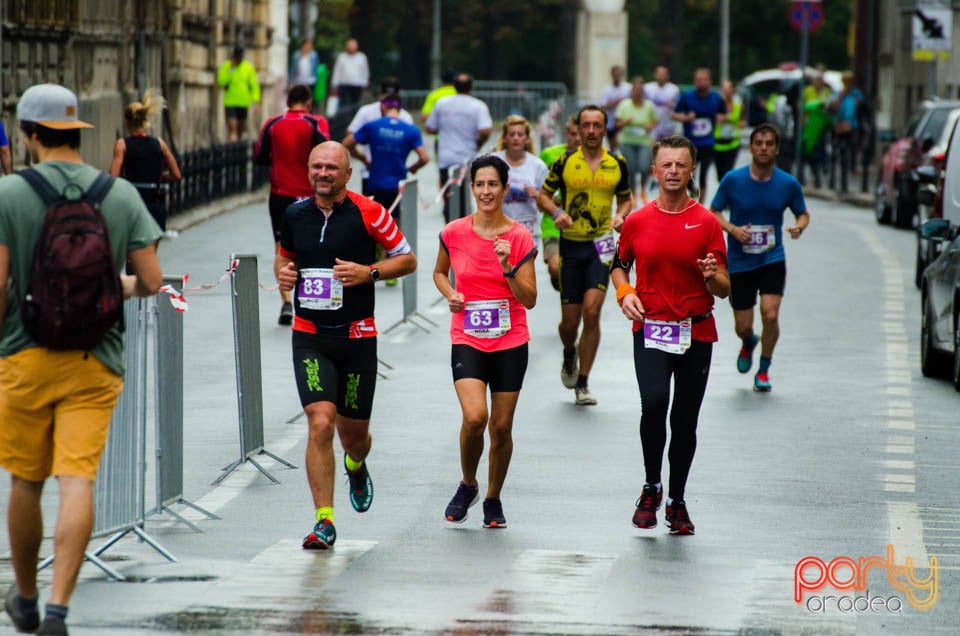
(687, 226)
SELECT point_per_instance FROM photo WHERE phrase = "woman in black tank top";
(143, 160)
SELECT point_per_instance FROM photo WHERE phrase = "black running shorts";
(580, 269)
(769, 279)
(502, 370)
(338, 370)
(278, 205)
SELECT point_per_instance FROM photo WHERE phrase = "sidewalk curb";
(200, 214)
(857, 199)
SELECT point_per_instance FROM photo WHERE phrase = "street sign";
(814, 9)
(932, 26)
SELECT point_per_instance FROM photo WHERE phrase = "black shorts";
(237, 112)
(580, 269)
(769, 279)
(338, 370)
(502, 370)
(386, 199)
(278, 205)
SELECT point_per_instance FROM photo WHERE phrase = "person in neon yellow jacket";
(239, 78)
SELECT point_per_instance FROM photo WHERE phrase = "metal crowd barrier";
(119, 491)
(168, 345)
(245, 297)
(214, 172)
(409, 213)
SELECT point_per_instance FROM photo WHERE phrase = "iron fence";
(211, 173)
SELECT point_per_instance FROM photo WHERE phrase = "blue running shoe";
(761, 382)
(324, 535)
(24, 620)
(745, 359)
(361, 486)
(493, 514)
(463, 499)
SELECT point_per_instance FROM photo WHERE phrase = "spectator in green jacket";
(239, 78)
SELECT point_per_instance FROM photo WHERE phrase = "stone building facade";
(902, 82)
(110, 51)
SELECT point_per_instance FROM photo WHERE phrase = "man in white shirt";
(613, 93)
(664, 95)
(351, 74)
(463, 124)
(371, 112)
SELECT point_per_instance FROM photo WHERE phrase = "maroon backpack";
(74, 296)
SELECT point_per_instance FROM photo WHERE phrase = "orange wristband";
(622, 290)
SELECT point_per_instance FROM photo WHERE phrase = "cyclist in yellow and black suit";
(588, 179)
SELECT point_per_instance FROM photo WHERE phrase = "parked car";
(756, 87)
(924, 144)
(930, 186)
(940, 304)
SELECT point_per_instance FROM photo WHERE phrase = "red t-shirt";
(478, 275)
(284, 144)
(664, 248)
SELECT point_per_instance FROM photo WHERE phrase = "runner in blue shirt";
(700, 110)
(390, 141)
(757, 197)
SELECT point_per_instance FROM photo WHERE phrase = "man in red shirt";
(284, 144)
(680, 255)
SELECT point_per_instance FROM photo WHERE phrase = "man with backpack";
(65, 233)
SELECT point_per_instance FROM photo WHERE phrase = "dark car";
(940, 301)
(923, 145)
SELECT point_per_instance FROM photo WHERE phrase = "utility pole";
(725, 40)
(435, 46)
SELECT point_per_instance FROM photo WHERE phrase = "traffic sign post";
(806, 17)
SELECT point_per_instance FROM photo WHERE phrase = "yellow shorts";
(55, 410)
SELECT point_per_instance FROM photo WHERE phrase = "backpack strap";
(98, 190)
(40, 185)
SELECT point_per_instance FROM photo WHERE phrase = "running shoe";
(493, 514)
(53, 626)
(584, 396)
(570, 370)
(463, 499)
(286, 314)
(361, 486)
(678, 519)
(761, 382)
(324, 535)
(745, 358)
(24, 621)
(645, 516)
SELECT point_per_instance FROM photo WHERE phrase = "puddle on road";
(238, 621)
(200, 578)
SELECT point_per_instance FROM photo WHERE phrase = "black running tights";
(689, 371)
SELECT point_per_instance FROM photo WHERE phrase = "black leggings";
(690, 372)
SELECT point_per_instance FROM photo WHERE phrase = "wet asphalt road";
(852, 451)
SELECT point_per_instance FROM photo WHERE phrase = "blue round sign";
(814, 15)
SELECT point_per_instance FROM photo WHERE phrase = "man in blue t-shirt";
(6, 159)
(700, 110)
(757, 197)
(390, 141)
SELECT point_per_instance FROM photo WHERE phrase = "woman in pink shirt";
(492, 259)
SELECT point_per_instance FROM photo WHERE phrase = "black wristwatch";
(374, 274)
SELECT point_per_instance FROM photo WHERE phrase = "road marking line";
(900, 449)
(903, 425)
(900, 464)
(906, 531)
(900, 478)
(895, 487)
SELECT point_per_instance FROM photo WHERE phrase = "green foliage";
(535, 39)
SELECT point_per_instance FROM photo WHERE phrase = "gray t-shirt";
(21, 218)
(458, 119)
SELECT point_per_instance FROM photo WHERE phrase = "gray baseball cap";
(50, 105)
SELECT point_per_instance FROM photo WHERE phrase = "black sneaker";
(53, 626)
(361, 487)
(324, 535)
(645, 516)
(570, 369)
(286, 315)
(493, 514)
(23, 621)
(678, 519)
(463, 499)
